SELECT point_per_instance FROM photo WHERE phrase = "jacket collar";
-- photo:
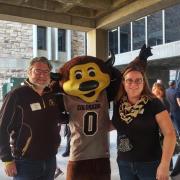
(31, 85)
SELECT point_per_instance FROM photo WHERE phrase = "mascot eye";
(78, 74)
(91, 72)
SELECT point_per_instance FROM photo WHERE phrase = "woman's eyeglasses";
(135, 81)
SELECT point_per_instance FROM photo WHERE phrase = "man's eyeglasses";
(39, 72)
(135, 81)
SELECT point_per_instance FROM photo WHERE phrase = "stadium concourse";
(62, 161)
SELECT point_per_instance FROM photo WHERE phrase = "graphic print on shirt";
(90, 123)
(89, 127)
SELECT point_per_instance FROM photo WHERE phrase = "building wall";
(78, 40)
(15, 40)
(159, 30)
(16, 44)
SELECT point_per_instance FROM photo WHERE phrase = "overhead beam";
(120, 3)
(83, 12)
(44, 18)
(94, 4)
(66, 7)
(132, 12)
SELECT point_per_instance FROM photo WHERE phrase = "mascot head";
(85, 77)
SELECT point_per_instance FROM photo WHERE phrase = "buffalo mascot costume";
(88, 85)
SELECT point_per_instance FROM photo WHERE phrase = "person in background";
(138, 115)
(175, 174)
(29, 126)
(172, 96)
(159, 81)
(159, 91)
(177, 113)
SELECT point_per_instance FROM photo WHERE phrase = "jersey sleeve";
(115, 117)
(113, 88)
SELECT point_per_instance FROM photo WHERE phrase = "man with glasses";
(29, 126)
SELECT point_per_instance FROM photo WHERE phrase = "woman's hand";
(162, 171)
(169, 141)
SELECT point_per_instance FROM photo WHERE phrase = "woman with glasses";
(138, 115)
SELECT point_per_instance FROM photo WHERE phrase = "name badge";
(35, 106)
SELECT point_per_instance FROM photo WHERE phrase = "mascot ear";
(55, 76)
(111, 59)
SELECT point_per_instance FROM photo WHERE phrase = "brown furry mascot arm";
(115, 78)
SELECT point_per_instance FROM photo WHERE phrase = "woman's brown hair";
(160, 88)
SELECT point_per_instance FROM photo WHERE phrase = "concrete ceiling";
(79, 14)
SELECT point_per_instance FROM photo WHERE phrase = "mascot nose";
(88, 85)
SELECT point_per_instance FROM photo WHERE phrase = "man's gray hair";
(40, 59)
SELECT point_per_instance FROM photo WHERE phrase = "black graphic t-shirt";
(139, 139)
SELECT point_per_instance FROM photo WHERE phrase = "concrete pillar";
(56, 43)
(97, 43)
(49, 45)
(68, 44)
(35, 53)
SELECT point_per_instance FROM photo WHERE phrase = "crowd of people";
(32, 114)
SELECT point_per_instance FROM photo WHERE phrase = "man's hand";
(10, 168)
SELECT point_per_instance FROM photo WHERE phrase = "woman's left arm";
(169, 141)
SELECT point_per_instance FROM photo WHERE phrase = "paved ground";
(62, 162)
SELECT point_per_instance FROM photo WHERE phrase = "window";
(113, 40)
(172, 24)
(125, 38)
(154, 29)
(41, 38)
(62, 40)
(138, 33)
